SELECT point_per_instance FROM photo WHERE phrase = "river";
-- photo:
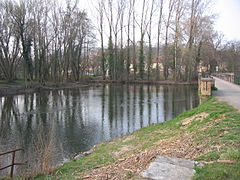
(53, 125)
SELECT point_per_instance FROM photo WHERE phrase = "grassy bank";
(209, 133)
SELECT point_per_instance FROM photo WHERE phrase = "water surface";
(68, 121)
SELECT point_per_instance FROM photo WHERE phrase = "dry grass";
(177, 146)
(198, 117)
(44, 149)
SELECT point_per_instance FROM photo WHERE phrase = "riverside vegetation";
(208, 133)
(61, 41)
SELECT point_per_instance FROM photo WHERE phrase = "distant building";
(155, 61)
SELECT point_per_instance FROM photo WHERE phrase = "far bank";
(19, 87)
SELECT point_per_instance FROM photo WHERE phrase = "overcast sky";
(228, 21)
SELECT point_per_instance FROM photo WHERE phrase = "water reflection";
(70, 121)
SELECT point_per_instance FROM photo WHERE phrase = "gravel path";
(227, 92)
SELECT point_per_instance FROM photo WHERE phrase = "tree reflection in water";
(73, 120)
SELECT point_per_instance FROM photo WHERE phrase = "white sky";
(228, 21)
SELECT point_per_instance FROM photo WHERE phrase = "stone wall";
(206, 86)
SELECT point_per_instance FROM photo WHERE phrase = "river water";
(53, 125)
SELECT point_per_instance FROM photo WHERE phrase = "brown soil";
(198, 117)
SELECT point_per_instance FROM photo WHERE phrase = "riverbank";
(161, 82)
(6, 90)
(19, 88)
(208, 133)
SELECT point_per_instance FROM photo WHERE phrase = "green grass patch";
(231, 154)
(219, 171)
(129, 175)
(210, 156)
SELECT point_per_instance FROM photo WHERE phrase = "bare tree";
(166, 48)
(134, 42)
(120, 9)
(109, 15)
(149, 62)
(21, 16)
(41, 39)
(9, 42)
(53, 43)
(130, 11)
(158, 37)
(194, 36)
(100, 10)
(142, 33)
(121, 59)
(179, 7)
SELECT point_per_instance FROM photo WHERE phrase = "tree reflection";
(110, 108)
(103, 107)
(149, 93)
(9, 113)
(141, 105)
(157, 102)
(73, 120)
(128, 109)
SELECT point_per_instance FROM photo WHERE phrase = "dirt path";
(227, 92)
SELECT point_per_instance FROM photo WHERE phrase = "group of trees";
(40, 40)
(230, 54)
(156, 39)
(162, 38)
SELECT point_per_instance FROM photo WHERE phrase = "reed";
(44, 149)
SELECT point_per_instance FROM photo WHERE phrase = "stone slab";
(166, 168)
